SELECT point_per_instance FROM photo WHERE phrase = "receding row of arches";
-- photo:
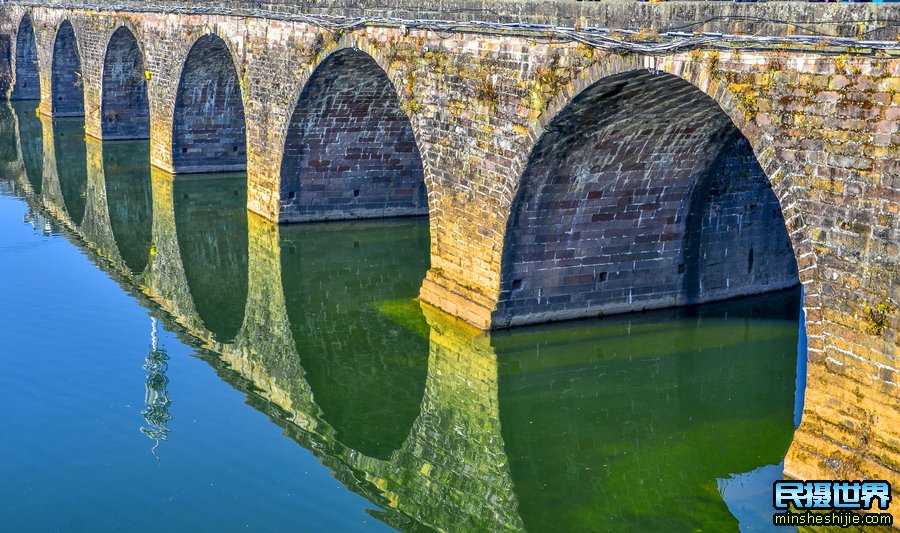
(640, 193)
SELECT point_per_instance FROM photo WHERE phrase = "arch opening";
(67, 86)
(350, 151)
(641, 194)
(27, 84)
(125, 111)
(209, 132)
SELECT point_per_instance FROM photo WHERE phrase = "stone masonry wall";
(209, 126)
(350, 150)
(125, 109)
(600, 221)
(736, 241)
(65, 76)
(27, 84)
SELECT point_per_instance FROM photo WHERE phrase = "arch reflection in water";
(342, 284)
(31, 142)
(65, 166)
(8, 149)
(126, 170)
(211, 226)
(628, 422)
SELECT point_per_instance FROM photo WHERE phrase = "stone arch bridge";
(565, 173)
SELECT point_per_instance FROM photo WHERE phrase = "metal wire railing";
(610, 39)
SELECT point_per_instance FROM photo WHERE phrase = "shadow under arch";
(350, 150)
(66, 82)
(125, 108)
(28, 81)
(211, 229)
(349, 292)
(601, 221)
(208, 129)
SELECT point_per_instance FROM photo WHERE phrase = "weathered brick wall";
(65, 75)
(599, 224)
(209, 132)
(350, 150)
(735, 240)
(27, 82)
(125, 110)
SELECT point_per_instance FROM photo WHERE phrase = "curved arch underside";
(641, 194)
(65, 79)
(125, 108)
(209, 130)
(350, 150)
(28, 83)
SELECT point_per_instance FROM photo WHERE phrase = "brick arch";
(208, 127)
(125, 108)
(639, 192)
(27, 74)
(66, 82)
(350, 149)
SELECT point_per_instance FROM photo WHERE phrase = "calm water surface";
(172, 363)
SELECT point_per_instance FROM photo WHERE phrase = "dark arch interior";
(642, 193)
(126, 110)
(126, 171)
(28, 82)
(31, 142)
(209, 131)
(350, 150)
(211, 225)
(362, 339)
(70, 153)
(66, 82)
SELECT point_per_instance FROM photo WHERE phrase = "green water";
(175, 363)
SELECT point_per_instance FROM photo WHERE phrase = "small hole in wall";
(234, 148)
(750, 261)
(681, 268)
(517, 284)
(355, 193)
(291, 195)
(184, 150)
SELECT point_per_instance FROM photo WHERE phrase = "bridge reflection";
(622, 424)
